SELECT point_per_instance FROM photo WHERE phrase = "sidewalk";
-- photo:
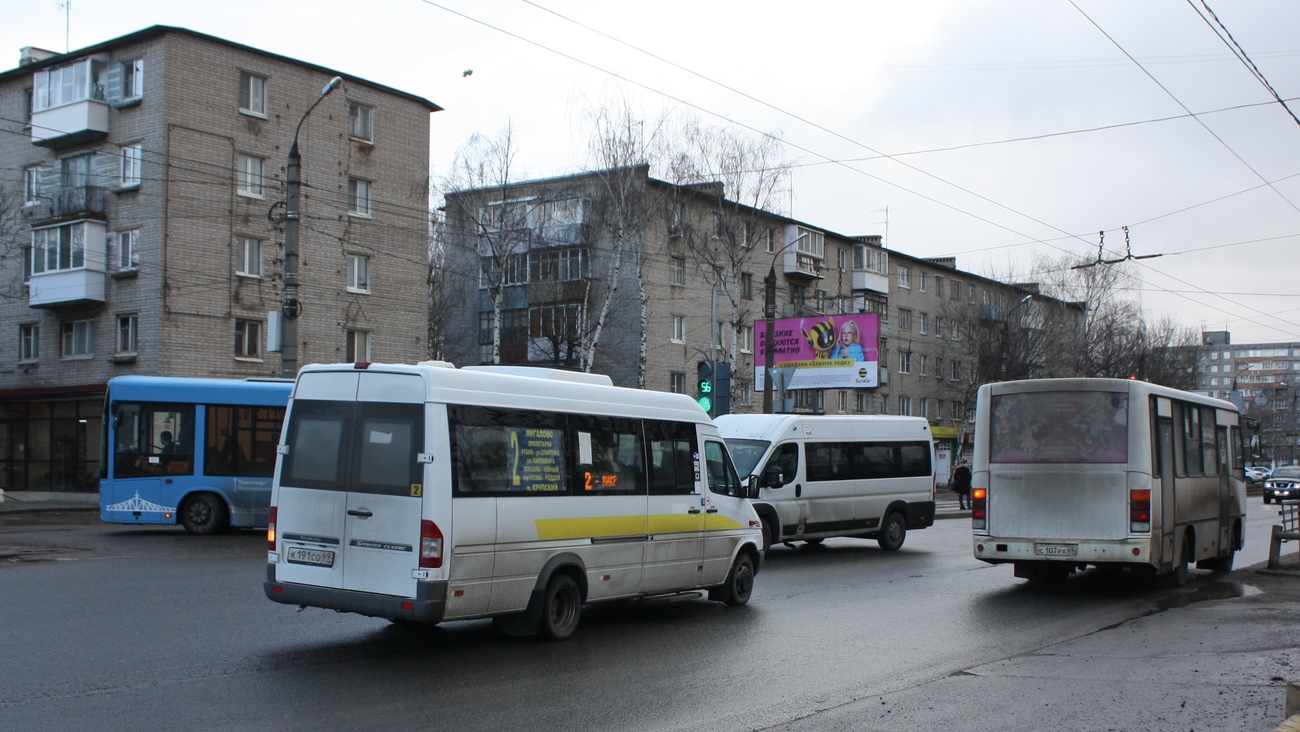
(27, 501)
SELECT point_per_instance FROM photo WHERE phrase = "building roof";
(156, 31)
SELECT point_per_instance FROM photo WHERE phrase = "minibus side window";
(1238, 452)
(153, 439)
(914, 459)
(610, 455)
(670, 448)
(1191, 440)
(1209, 464)
(510, 452)
(722, 476)
(829, 461)
(786, 458)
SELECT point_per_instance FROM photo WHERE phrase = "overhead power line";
(1225, 35)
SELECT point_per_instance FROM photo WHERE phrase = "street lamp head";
(334, 84)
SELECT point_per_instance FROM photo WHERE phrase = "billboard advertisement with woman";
(825, 352)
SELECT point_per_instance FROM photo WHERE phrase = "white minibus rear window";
(1059, 427)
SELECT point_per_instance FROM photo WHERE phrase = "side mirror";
(772, 477)
(751, 488)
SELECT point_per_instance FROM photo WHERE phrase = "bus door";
(153, 446)
(351, 486)
(1164, 464)
(676, 508)
(1225, 488)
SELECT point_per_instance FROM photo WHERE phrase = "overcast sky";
(890, 77)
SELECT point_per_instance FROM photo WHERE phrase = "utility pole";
(290, 306)
(769, 348)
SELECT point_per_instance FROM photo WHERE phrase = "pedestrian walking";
(961, 485)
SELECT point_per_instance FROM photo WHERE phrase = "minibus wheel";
(203, 513)
(1178, 577)
(769, 534)
(892, 533)
(740, 582)
(561, 608)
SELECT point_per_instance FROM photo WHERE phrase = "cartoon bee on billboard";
(821, 337)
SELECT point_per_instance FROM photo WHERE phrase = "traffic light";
(721, 389)
(704, 385)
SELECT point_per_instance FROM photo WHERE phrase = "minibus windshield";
(746, 454)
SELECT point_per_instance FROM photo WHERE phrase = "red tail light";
(1139, 510)
(979, 501)
(430, 545)
(270, 529)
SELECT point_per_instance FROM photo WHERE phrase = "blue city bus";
(199, 452)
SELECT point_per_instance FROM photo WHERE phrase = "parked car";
(1283, 484)
(1256, 474)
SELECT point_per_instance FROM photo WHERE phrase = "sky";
(996, 131)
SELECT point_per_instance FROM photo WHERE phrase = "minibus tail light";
(430, 545)
(979, 501)
(1139, 510)
(270, 529)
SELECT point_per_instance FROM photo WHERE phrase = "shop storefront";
(50, 439)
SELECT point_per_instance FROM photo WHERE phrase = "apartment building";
(553, 272)
(143, 208)
(1263, 379)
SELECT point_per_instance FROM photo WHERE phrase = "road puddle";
(1206, 592)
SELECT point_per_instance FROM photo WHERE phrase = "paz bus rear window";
(1059, 427)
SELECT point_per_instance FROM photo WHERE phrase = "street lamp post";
(1006, 332)
(769, 317)
(290, 307)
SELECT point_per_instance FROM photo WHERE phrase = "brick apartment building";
(544, 258)
(143, 233)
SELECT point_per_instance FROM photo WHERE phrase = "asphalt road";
(126, 629)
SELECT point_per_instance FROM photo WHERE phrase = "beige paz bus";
(1106, 472)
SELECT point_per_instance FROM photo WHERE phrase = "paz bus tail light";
(270, 530)
(979, 502)
(430, 545)
(1139, 510)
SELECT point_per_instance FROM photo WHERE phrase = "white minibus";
(1106, 472)
(428, 493)
(822, 476)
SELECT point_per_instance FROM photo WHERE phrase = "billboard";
(825, 352)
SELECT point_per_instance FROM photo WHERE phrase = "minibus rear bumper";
(920, 515)
(427, 606)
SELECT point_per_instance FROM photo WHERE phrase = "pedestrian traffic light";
(704, 385)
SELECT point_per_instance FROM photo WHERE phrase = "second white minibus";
(821, 476)
(1106, 472)
(428, 493)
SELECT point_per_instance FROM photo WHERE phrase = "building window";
(251, 176)
(252, 94)
(925, 365)
(78, 339)
(248, 339)
(842, 402)
(677, 270)
(798, 295)
(904, 362)
(132, 85)
(922, 279)
(127, 256)
(810, 400)
(955, 411)
(129, 172)
(769, 242)
(58, 248)
(75, 171)
(938, 366)
(956, 370)
(358, 197)
(925, 323)
(746, 286)
(248, 257)
(938, 285)
(954, 290)
(361, 122)
(938, 326)
(29, 342)
(971, 294)
(358, 273)
(747, 339)
(842, 259)
(557, 265)
(742, 392)
(126, 334)
(905, 406)
(677, 382)
(905, 277)
(861, 400)
(679, 329)
(904, 319)
(358, 346)
(32, 185)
